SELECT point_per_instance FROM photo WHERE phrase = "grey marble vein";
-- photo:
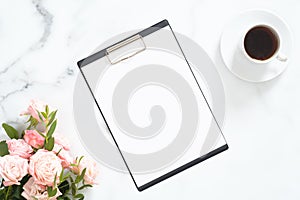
(10, 65)
(24, 87)
(4, 97)
(48, 21)
(67, 73)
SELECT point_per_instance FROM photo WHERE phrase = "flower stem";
(7, 193)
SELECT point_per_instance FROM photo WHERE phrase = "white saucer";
(237, 62)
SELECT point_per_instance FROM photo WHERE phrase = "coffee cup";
(261, 44)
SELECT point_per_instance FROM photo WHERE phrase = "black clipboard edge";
(183, 167)
(102, 53)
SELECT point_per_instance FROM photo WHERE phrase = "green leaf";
(78, 162)
(47, 109)
(44, 115)
(23, 133)
(25, 179)
(59, 151)
(61, 175)
(54, 192)
(2, 193)
(33, 122)
(83, 172)
(77, 180)
(8, 192)
(3, 148)
(54, 182)
(63, 198)
(79, 196)
(11, 131)
(51, 192)
(71, 179)
(80, 177)
(52, 117)
(84, 186)
(40, 116)
(64, 187)
(49, 144)
(67, 175)
(41, 134)
(73, 189)
(51, 129)
(29, 119)
(16, 192)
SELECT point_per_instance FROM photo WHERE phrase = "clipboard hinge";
(122, 44)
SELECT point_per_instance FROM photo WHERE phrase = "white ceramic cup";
(276, 55)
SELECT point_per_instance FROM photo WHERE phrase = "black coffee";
(261, 42)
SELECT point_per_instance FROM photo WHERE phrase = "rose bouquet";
(36, 163)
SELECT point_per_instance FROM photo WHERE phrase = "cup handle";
(281, 58)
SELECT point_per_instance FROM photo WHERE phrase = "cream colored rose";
(13, 169)
(43, 167)
(62, 140)
(92, 170)
(64, 155)
(33, 191)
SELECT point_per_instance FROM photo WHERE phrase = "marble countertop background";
(41, 41)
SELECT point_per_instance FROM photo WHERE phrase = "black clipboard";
(105, 70)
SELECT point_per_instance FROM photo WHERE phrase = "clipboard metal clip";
(128, 42)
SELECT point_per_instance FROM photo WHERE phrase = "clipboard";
(152, 104)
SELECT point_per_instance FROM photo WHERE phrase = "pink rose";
(31, 110)
(43, 167)
(33, 191)
(92, 170)
(34, 139)
(62, 140)
(63, 155)
(13, 169)
(19, 147)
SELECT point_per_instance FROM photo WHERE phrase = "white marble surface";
(40, 42)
